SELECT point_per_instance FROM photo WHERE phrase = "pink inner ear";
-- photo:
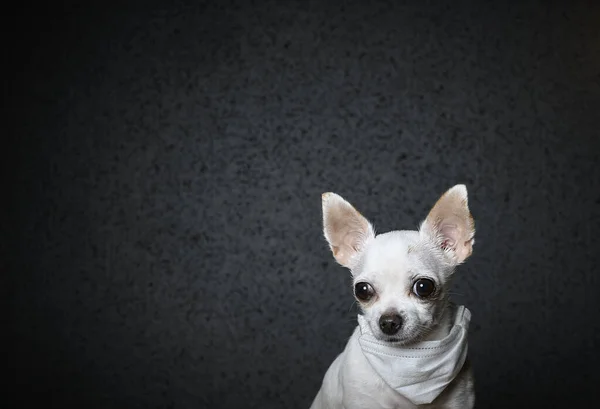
(446, 244)
(449, 233)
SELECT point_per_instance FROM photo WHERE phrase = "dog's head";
(401, 278)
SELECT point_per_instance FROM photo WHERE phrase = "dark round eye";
(423, 287)
(363, 291)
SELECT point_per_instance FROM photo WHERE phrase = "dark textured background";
(163, 232)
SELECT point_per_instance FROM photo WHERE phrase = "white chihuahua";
(409, 349)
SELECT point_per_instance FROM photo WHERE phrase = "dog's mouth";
(402, 339)
(396, 340)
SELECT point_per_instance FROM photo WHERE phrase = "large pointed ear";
(346, 230)
(450, 225)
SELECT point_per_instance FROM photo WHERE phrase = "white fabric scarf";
(421, 371)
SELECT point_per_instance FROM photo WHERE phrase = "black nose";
(390, 323)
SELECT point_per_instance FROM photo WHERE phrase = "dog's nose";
(390, 323)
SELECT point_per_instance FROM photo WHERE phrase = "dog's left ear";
(450, 225)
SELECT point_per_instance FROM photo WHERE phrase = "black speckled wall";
(163, 230)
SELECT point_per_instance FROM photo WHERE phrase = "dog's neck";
(443, 328)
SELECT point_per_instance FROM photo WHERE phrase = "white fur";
(391, 263)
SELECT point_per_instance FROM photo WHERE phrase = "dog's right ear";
(346, 230)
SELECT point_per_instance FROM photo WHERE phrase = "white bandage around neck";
(420, 371)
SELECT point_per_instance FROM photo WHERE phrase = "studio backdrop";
(163, 237)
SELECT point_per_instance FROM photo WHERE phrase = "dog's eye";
(364, 291)
(423, 287)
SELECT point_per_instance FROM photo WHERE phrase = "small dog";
(409, 349)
